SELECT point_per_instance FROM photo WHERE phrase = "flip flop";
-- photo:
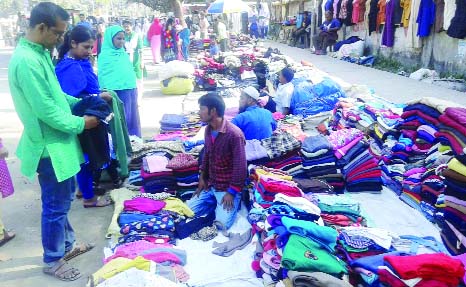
(6, 237)
(63, 271)
(78, 250)
(98, 203)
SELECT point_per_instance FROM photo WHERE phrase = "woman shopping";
(77, 78)
(116, 73)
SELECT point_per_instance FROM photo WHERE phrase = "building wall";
(439, 51)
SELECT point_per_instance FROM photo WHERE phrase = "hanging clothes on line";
(426, 18)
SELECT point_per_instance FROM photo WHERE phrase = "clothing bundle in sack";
(94, 142)
(311, 99)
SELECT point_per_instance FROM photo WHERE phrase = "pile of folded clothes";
(270, 182)
(340, 211)
(363, 174)
(156, 176)
(319, 162)
(151, 217)
(452, 128)
(454, 227)
(412, 187)
(185, 169)
(178, 126)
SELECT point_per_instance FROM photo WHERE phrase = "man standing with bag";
(49, 143)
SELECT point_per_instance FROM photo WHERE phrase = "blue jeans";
(57, 233)
(264, 31)
(212, 200)
(85, 181)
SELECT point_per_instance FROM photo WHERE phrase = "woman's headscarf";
(155, 29)
(116, 72)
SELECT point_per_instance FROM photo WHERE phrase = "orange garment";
(381, 15)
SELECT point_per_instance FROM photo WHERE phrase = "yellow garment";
(116, 266)
(118, 196)
(178, 206)
(457, 166)
(406, 5)
(444, 148)
(274, 175)
(378, 133)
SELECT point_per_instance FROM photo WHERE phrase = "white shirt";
(204, 25)
(283, 96)
(222, 31)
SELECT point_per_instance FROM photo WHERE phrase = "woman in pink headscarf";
(155, 37)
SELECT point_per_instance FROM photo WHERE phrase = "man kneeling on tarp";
(223, 168)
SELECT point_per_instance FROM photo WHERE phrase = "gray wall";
(439, 51)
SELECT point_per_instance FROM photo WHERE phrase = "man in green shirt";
(49, 143)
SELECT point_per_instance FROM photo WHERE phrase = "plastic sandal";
(7, 237)
(63, 271)
(78, 250)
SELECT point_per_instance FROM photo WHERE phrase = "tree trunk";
(178, 10)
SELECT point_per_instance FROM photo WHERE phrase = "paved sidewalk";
(392, 87)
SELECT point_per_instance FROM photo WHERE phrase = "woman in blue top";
(328, 34)
(77, 78)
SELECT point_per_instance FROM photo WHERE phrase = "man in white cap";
(254, 121)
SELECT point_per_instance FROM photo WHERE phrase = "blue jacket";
(256, 123)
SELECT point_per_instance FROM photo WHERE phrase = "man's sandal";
(63, 271)
(78, 250)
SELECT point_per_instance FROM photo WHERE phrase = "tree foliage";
(157, 5)
(164, 6)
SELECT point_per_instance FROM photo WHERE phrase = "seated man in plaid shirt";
(223, 168)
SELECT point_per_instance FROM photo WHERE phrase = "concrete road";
(21, 259)
(395, 88)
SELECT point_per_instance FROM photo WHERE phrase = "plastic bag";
(177, 86)
(176, 69)
(311, 99)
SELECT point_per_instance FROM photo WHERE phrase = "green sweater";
(50, 130)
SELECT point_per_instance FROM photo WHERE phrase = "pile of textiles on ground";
(144, 227)
(360, 167)
(268, 182)
(454, 201)
(296, 226)
(290, 233)
(430, 134)
(340, 211)
(319, 162)
(178, 127)
(156, 176)
(185, 169)
(373, 115)
(280, 151)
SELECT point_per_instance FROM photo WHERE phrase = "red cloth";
(389, 279)
(370, 175)
(340, 220)
(146, 175)
(426, 117)
(449, 121)
(438, 266)
(456, 145)
(155, 29)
